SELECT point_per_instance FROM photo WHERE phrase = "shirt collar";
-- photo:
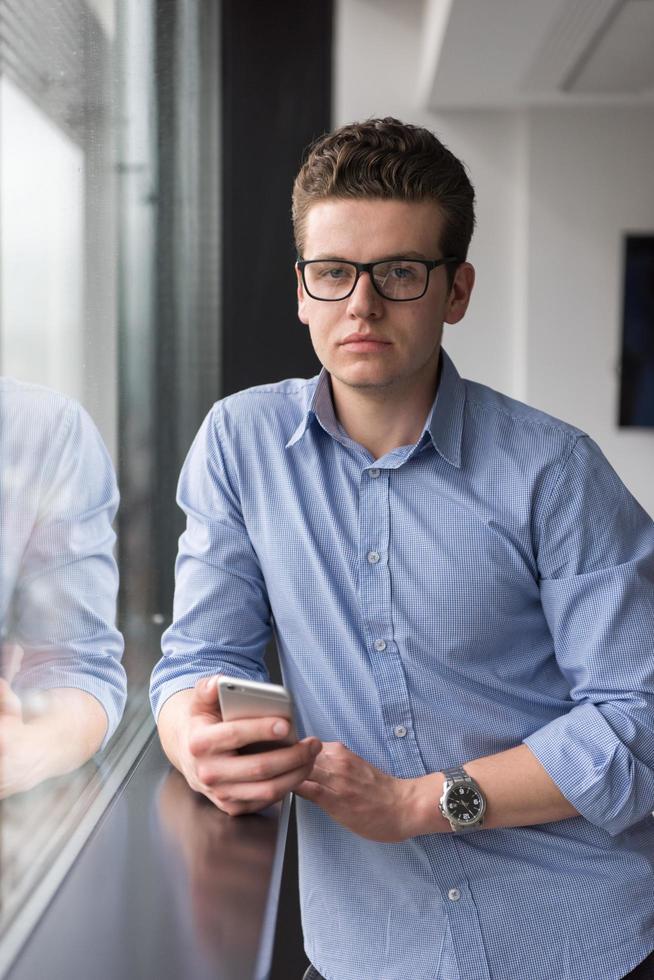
(444, 423)
(321, 408)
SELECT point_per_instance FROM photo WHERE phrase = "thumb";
(206, 694)
(9, 701)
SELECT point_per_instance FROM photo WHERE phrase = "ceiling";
(508, 53)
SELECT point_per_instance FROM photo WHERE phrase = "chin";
(362, 380)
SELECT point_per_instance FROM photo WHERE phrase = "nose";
(365, 303)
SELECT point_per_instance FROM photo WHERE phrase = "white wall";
(377, 48)
(590, 180)
(556, 189)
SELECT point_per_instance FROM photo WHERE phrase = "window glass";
(42, 238)
(108, 362)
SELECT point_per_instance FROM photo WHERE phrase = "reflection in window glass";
(41, 247)
(62, 690)
(109, 304)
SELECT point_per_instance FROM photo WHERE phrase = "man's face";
(366, 341)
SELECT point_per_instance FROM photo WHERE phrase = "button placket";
(376, 607)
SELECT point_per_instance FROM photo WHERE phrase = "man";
(462, 596)
(62, 690)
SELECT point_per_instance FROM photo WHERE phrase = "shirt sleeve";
(221, 616)
(63, 610)
(596, 564)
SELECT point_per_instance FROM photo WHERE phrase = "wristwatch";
(462, 803)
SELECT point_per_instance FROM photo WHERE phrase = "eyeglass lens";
(400, 279)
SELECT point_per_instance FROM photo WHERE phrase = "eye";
(331, 271)
(402, 272)
(398, 273)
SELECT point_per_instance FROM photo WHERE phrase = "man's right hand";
(205, 750)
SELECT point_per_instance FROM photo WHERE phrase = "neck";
(382, 419)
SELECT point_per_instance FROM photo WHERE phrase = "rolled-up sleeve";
(596, 564)
(221, 617)
(64, 604)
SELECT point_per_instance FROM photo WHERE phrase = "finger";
(263, 794)
(235, 809)
(312, 785)
(310, 790)
(335, 748)
(321, 774)
(228, 736)
(206, 695)
(260, 767)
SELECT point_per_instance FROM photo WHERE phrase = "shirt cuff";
(161, 691)
(111, 697)
(593, 769)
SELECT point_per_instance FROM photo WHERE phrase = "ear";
(459, 297)
(302, 304)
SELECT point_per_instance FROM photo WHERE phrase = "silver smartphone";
(256, 699)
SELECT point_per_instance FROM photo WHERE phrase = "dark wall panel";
(276, 91)
(276, 98)
(637, 374)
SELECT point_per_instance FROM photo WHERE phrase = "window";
(109, 268)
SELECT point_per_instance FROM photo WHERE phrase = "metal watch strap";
(457, 773)
(454, 775)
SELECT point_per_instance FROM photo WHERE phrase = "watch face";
(464, 804)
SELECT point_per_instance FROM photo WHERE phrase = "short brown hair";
(386, 159)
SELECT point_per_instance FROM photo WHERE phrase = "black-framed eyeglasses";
(399, 279)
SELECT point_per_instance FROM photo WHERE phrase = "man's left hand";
(359, 796)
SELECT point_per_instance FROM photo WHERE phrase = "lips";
(364, 342)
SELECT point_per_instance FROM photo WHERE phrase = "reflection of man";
(58, 583)
(462, 595)
(227, 867)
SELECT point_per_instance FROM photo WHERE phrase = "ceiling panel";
(622, 57)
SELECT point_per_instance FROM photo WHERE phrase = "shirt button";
(454, 894)
(374, 473)
(380, 645)
(373, 557)
(400, 731)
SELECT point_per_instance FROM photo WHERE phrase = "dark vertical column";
(167, 520)
(276, 94)
(276, 98)
(187, 330)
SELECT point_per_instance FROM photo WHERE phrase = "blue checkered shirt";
(490, 585)
(58, 575)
